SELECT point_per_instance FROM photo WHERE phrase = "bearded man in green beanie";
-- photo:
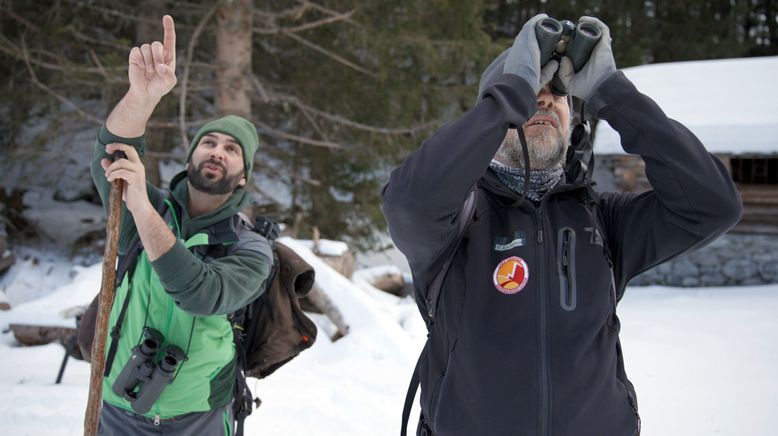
(196, 262)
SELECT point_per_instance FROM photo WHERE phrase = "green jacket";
(217, 266)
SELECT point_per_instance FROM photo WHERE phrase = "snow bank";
(51, 309)
(703, 363)
(36, 273)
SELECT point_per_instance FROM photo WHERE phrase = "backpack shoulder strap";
(433, 293)
(244, 328)
(126, 265)
(409, 397)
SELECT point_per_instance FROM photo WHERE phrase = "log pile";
(28, 334)
(392, 282)
(342, 263)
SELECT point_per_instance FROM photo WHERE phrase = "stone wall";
(732, 260)
(619, 173)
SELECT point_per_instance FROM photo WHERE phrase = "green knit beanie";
(239, 128)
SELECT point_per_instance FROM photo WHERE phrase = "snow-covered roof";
(730, 104)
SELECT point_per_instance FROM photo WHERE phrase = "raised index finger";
(169, 38)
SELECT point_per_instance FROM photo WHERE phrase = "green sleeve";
(128, 232)
(220, 286)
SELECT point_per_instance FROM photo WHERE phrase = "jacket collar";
(506, 197)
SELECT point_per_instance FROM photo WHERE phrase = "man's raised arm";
(151, 72)
(426, 193)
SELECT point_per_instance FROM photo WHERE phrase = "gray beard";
(546, 151)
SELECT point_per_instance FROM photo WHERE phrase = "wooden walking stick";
(107, 289)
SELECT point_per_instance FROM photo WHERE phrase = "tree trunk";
(233, 42)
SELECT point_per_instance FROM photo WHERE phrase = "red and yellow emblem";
(511, 275)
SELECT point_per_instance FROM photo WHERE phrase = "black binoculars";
(144, 376)
(564, 38)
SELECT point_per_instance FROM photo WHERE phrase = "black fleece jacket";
(534, 350)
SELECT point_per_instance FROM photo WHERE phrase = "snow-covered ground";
(703, 362)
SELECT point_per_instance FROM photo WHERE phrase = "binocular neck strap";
(588, 151)
(525, 153)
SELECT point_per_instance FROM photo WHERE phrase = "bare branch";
(111, 11)
(273, 171)
(295, 12)
(328, 53)
(175, 124)
(272, 29)
(185, 79)
(300, 139)
(97, 62)
(325, 10)
(59, 97)
(314, 124)
(96, 41)
(162, 154)
(307, 110)
(354, 124)
(11, 49)
(260, 88)
(116, 13)
(323, 22)
(19, 18)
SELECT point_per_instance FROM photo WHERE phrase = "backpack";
(268, 332)
(273, 329)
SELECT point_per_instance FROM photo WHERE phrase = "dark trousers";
(115, 421)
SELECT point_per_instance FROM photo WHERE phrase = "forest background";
(340, 90)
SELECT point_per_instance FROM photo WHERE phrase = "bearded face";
(547, 133)
(216, 166)
(211, 177)
(547, 138)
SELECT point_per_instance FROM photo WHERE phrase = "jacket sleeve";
(217, 286)
(693, 200)
(426, 193)
(105, 137)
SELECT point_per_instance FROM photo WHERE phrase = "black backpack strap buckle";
(267, 228)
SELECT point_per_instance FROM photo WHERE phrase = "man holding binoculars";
(518, 267)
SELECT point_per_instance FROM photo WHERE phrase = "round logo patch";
(511, 275)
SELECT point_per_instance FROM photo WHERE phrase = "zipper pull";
(156, 420)
(565, 251)
(539, 220)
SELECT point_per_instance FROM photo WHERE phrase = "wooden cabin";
(732, 107)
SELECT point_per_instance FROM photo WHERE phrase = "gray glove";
(523, 57)
(598, 68)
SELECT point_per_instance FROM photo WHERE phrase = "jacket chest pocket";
(566, 259)
(583, 270)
